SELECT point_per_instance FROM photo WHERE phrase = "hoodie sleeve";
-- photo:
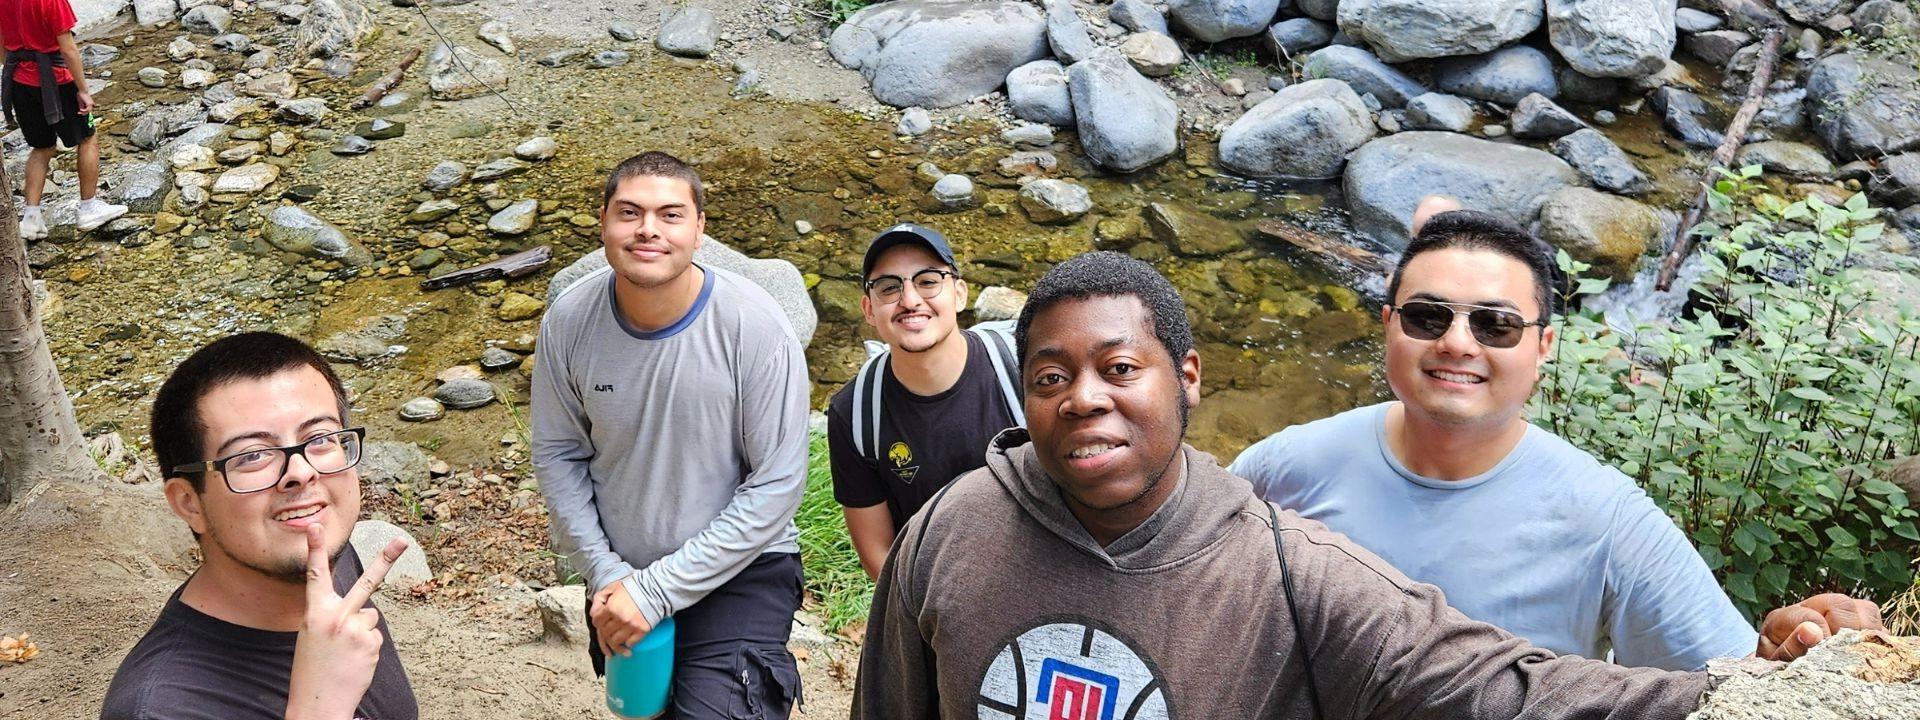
(900, 683)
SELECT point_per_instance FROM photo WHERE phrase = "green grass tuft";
(834, 576)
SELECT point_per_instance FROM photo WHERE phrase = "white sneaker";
(94, 213)
(33, 225)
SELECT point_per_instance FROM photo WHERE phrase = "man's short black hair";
(1111, 274)
(655, 164)
(176, 424)
(1473, 230)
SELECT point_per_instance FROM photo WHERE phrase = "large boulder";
(778, 277)
(939, 53)
(1386, 178)
(1601, 162)
(1365, 73)
(1609, 232)
(1328, 10)
(153, 12)
(142, 187)
(472, 76)
(1402, 30)
(1612, 38)
(1898, 182)
(372, 536)
(1790, 158)
(1303, 131)
(1298, 36)
(1126, 121)
(689, 32)
(1216, 20)
(1811, 12)
(1865, 107)
(1066, 32)
(1503, 76)
(333, 27)
(207, 20)
(1537, 118)
(1038, 93)
(1138, 16)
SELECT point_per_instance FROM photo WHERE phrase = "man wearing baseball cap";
(922, 412)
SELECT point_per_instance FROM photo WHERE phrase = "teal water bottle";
(637, 686)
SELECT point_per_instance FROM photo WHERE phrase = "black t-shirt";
(928, 440)
(191, 665)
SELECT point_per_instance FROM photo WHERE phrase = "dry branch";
(388, 83)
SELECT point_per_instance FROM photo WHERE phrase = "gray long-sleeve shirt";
(681, 451)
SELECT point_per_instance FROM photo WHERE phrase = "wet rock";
(164, 223)
(1402, 30)
(1153, 54)
(1874, 19)
(1436, 111)
(1791, 158)
(623, 32)
(292, 229)
(380, 129)
(537, 149)
(1304, 131)
(152, 77)
(465, 394)
(1031, 134)
(1601, 162)
(279, 143)
(276, 86)
(608, 59)
(953, 191)
(1126, 121)
(687, 33)
(422, 409)
(233, 43)
(1612, 38)
(304, 110)
(1216, 20)
(149, 13)
(1607, 231)
(563, 614)
(1865, 107)
(1038, 93)
(495, 33)
(998, 303)
(1898, 182)
(503, 167)
(1504, 76)
(207, 20)
(1138, 16)
(1689, 20)
(444, 176)
(304, 192)
(1066, 32)
(1191, 232)
(142, 187)
(1537, 118)
(915, 122)
(1716, 47)
(1028, 163)
(519, 306)
(1055, 201)
(515, 219)
(496, 359)
(778, 277)
(247, 179)
(372, 536)
(1386, 178)
(353, 145)
(1297, 36)
(1688, 117)
(1364, 73)
(939, 53)
(432, 210)
(560, 57)
(448, 80)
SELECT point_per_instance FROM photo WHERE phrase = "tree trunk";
(38, 438)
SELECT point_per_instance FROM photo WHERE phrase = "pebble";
(1032, 134)
(444, 176)
(914, 121)
(1234, 87)
(353, 145)
(1494, 131)
(422, 409)
(953, 190)
(802, 227)
(623, 32)
(609, 58)
(1605, 117)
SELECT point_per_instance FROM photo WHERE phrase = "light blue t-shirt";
(1550, 544)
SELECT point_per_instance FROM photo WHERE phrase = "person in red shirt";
(44, 93)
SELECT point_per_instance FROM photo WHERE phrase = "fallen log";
(1329, 249)
(388, 83)
(1723, 155)
(520, 264)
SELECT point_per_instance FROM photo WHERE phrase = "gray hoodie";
(996, 603)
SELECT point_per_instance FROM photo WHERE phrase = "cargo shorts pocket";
(770, 683)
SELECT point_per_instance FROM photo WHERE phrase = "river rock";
(231, 110)
(247, 179)
(1053, 201)
(560, 57)
(432, 210)
(1138, 16)
(304, 110)
(1031, 134)
(1386, 178)
(953, 190)
(1126, 121)
(465, 394)
(1504, 76)
(1601, 162)
(151, 12)
(609, 59)
(1813, 12)
(274, 86)
(1216, 20)
(519, 306)
(1898, 182)
(445, 176)
(1038, 93)
(353, 145)
(1437, 111)
(939, 53)
(1066, 32)
(1612, 38)
(141, 186)
(915, 122)
(196, 79)
(370, 537)
(1865, 107)
(1364, 73)
(497, 358)
(385, 463)
(1537, 118)
(1328, 10)
(503, 167)
(1297, 36)
(778, 277)
(1689, 20)
(207, 20)
(448, 80)
(1874, 19)
(95, 55)
(537, 149)
(232, 42)
(1191, 232)
(1791, 158)
(495, 33)
(1609, 232)
(1688, 117)
(1153, 54)
(515, 219)
(292, 229)
(152, 77)
(380, 129)
(1716, 47)
(563, 614)
(1303, 131)
(689, 32)
(191, 157)
(1402, 30)
(422, 409)
(332, 28)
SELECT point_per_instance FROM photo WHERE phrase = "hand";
(618, 620)
(340, 639)
(86, 102)
(1430, 206)
(1790, 631)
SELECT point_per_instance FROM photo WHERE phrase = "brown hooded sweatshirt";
(996, 603)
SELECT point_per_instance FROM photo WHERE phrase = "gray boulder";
(1791, 158)
(1153, 54)
(422, 409)
(1612, 38)
(1052, 201)
(1365, 73)
(1138, 16)
(1688, 117)
(1297, 36)
(1066, 32)
(1436, 111)
(1504, 76)
(1609, 232)
(1898, 183)
(445, 176)
(472, 76)
(1126, 121)
(207, 20)
(939, 53)
(1038, 93)
(1884, 18)
(1537, 118)
(1303, 131)
(563, 614)
(914, 122)
(1812, 12)
(1386, 178)
(1216, 20)
(292, 229)
(1865, 107)
(1328, 10)
(332, 28)
(515, 219)
(1716, 47)
(1601, 162)
(1402, 30)
(465, 393)
(383, 463)
(953, 190)
(142, 187)
(688, 33)
(1689, 20)
(778, 277)
(153, 12)
(372, 536)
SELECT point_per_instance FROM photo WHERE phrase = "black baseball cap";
(906, 234)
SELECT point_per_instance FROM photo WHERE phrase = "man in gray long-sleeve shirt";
(670, 441)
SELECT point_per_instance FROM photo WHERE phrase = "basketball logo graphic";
(1071, 671)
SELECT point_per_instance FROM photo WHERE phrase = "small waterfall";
(1636, 302)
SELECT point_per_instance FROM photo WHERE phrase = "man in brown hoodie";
(1098, 568)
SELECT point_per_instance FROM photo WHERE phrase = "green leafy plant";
(837, 11)
(1762, 422)
(834, 575)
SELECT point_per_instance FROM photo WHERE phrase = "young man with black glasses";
(921, 413)
(277, 622)
(1456, 488)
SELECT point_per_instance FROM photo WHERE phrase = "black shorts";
(730, 657)
(28, 115)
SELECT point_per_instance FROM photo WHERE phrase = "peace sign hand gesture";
(339, 645)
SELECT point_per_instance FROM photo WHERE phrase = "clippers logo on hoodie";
(1071, 670)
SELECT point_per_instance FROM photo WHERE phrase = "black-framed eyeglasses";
(929, 283)
(255, 470)
(1493, 327)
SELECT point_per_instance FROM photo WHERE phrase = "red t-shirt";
(35, 25)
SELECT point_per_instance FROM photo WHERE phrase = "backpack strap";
(1293, 613)
(866, 407)
(1006, 367)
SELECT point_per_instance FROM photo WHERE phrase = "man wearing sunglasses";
(921, 413)
(1453, 486)
(277, 622)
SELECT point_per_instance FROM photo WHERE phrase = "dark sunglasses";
(1491, 326)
